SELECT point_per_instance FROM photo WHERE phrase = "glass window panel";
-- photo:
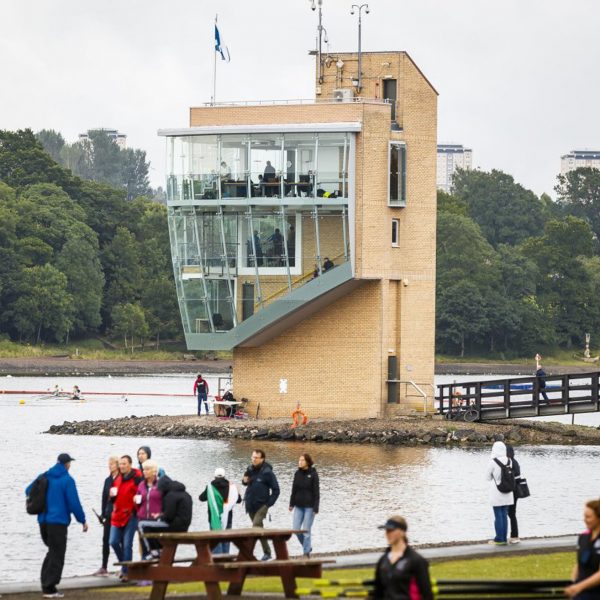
(299, 154)
(332, 165)
(266, 164)
(397, 182)
(233, 166)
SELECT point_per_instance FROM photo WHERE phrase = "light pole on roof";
(359, 7)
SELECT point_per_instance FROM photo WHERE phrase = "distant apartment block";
(119, 138)
(449, 158)
(579, 158)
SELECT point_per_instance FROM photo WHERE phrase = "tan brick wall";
(331, 361)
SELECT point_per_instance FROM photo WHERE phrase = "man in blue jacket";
(62, 500)
(262, 492)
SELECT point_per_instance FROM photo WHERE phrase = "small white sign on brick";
(283, 386)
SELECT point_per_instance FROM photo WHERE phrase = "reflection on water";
(441, 491)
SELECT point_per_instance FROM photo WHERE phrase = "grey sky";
(518, 79)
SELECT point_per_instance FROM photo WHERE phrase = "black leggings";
(105, 544)
(512, 516)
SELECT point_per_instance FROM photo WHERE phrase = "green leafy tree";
(44, 306)
(135, 173)
(52, 141)
(506, 212)
(122, 268)
(130, 322)
(79, 260)
(564, 287)
(579, 195)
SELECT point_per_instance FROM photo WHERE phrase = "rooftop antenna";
(321, 36)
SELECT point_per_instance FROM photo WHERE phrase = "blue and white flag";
(221, 49)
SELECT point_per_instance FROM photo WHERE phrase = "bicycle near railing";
(461, 411)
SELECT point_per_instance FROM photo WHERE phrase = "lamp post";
(359, 7)
(320, 29)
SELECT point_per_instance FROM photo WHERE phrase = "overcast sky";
(518, 79)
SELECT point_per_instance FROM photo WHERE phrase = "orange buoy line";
(50, 393)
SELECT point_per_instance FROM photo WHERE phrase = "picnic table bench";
(213, 568)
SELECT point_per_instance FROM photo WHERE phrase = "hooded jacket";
(262, 487)
(62, 498)
(305, 489)
(176, 504)
(124, 506)
(494, 475)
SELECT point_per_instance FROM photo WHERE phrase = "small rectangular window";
(395, 233)
(397, 182)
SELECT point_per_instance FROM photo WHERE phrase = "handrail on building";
(417, 387)
(298, 101)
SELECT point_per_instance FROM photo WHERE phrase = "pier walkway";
(521, 397)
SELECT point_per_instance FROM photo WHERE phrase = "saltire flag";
(222, 50)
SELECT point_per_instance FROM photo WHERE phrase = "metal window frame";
(402, 170)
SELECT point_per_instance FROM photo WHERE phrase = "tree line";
(79, 256)
(517, 272)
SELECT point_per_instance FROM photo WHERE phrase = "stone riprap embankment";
(399, 431)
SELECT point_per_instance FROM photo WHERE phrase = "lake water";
(440, 491)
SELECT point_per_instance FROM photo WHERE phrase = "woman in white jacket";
(500, 501)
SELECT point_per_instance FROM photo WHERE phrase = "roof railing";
(301, 101)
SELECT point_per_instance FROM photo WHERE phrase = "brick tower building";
(303, 239)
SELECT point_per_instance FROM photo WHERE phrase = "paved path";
(363, 559)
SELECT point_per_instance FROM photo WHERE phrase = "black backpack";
(507, 477)
(35, 504)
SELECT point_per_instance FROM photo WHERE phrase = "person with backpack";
(53, 497)
(502, 485)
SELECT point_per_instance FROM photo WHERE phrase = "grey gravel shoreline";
(399, 431)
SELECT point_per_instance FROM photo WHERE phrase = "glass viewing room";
(259, 224)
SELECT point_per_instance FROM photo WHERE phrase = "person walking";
(221, 496)
(201, 390)
(62, 501)
(123, 520)
(512, 509)
(304, 500)
(401, 573)
(541, 378)
(499, 500)
(586, 573)
(106, 512)
(262, 491)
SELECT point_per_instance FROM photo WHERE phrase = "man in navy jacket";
(62, 500)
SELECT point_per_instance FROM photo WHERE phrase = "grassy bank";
(553, 358)
(535, 566)
(96, 349)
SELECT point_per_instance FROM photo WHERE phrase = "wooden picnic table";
(214, 568)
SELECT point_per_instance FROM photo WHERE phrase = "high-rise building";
(303, 239)
(579, 158)
(119, 138)
(449, 158)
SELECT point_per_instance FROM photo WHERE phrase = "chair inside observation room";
(218, 321)
(305, 185)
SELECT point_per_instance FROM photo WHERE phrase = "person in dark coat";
(304, 500)
(541, 378)
(176, 515)
(401, 572)
(262, 491)
(106, 512)
(62, 500)
(512, 509)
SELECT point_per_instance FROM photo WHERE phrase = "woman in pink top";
(148, 499)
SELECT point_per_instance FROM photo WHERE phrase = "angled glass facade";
(252, 218)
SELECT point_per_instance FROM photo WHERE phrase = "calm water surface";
(440, 491)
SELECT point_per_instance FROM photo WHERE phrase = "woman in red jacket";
(123, 521)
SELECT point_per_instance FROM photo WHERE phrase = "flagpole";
(214, 96)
